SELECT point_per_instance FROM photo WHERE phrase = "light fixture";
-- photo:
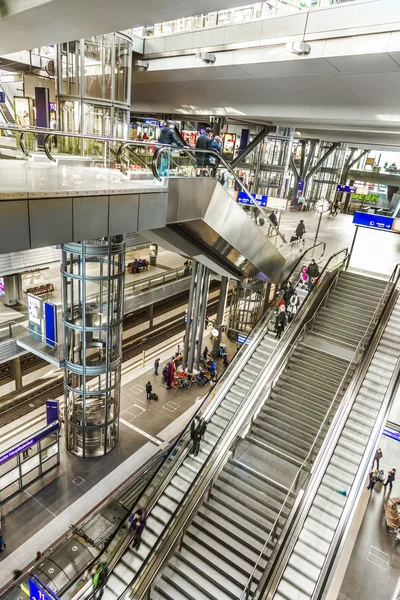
(141, 65)
(298, 48)
(206, 57)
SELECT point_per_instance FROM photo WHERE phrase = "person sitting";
(135, 267)
(146, 264)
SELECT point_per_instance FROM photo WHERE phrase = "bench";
(41, 290)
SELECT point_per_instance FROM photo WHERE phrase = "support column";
(202, 319)
(189, 316)
(195, 318)
(223, 295)
(153, 254)
(12, 289)
(92, 344)
(15, 368)
(149, 314)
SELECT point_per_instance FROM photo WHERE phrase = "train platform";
(69, 492)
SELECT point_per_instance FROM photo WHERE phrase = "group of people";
(376, 474)
(286, 309)
(309, 275)
(137, 264)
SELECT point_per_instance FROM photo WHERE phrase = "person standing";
(214, 160)
(203, 142)
(390, 478)
(138, 523)
(149, 389)
(300, 230)
(156, 366)
(377, 458)
(293, 306)
(99, 579)
(2, 542)
(167, 137)
(312, 272)
(287, 293)
(280, 321)
(197, 430)
(373, 478)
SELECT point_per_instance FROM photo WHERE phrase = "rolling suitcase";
(154, 396)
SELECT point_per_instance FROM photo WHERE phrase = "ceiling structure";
(27, 24)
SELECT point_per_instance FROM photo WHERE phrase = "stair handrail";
(146, 570)
(374, 322)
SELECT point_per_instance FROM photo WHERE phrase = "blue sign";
(300, 185)
(2, 97)
(392, 433)
(242, 339)
(39, 591)
(28, 443)
(50, 324)
(185, 319)
(243, 198)
(346, 188)
(373, 221)
(52, 411)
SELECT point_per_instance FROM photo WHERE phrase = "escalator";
(226, 543)
(306, 569)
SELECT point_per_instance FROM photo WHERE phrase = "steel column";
(223, 295)
(202, 320)
(253, 144)
(189, 316)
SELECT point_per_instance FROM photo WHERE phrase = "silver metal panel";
(152, 210)
(50, 221)
(90, 218)
(124, 211)
(9, 350)
(245, 32)
(210, 223)
(159, 293)
(14, 226)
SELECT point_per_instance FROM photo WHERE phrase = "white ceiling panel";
(367, 63)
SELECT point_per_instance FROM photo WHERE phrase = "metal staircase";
(244, 503)
(302, 578)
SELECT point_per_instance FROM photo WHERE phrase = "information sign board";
(346, 189)
(39, 591)
(259, 199)
(373, 221)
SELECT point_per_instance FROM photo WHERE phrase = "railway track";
(19, 403)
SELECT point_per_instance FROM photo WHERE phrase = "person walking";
(205, 353)
(203, 142)
(280, 321)
(377, 458)
(293, 306)
(197, 430)
(273, 219)
(214, 160)
(312, 272)
(156, 366)
(2, 542)
(149, 389)
(99, 579)
(138, 523)
(300, 230)
(390, 478)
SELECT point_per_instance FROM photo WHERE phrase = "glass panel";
(34, 474)
(8, 478)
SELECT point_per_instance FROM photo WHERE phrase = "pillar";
(93, 293)
(150, 312)
(196, 316)
(202, 318)
(12, 289)
(223, 295)
(15, 369)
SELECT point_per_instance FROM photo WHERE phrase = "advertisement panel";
(35, 309)
(52, 412)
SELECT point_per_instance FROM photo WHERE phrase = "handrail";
(162, 276)
(226, 437)
(373, 323)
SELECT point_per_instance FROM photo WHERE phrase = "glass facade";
(93, 292)
(94, 83)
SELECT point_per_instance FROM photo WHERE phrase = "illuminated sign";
(28, 443)
(366, 197)
(346, 189)
(373, 221)
(243, 198)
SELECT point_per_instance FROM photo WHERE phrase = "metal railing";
(262, 591)
(234, 16)
(149, 283)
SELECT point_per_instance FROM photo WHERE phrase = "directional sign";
(373, 221)
(392, 433)
(346, 188)
(243, 198)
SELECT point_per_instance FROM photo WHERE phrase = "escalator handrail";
(192, 154)
(323, 458)
(146, 569)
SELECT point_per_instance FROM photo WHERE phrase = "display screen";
(373, 221)
(50, 314)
